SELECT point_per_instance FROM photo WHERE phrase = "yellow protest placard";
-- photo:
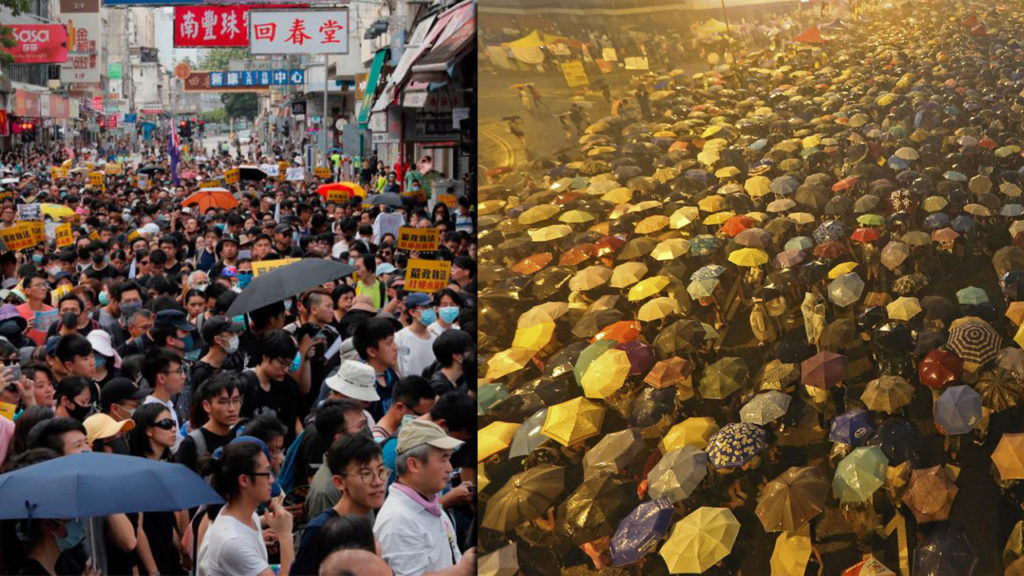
(96, 179)
(58, 173)
(143, 181)
(282, 169)
(264, 266)
(94, 235)
(448, 199)
(7, 410)
(418, 239)
(24, 234)
(322, 172)
(114, 168)
(338, 196)
(63, 235)
(209, 184)
(233, 176)
(427, 275)
(574, 74)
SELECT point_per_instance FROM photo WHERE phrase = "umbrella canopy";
(824, 369)
(765, 407)
(628, 274)
(529, 435)
(287, 281)
(735, 444)
(700, 540)
(939, 367)
(79, 486)
(887, 394)
(640, 531)
(792, 553)
(972, 296)
(946, 552)
(846, 289)
(658, 308)
(904, 308)
(999, 388)
(678, 474)
(502, 562)
(524, 497)
(748, 257)
(1008, 456)
(596, 507)
(724, 377)
(606, 374)
(958, 410)
(573, 420)
(894, 254)
(589, 278)
(859, 474)
(215, 198)
(794, 497)
(851, 427)
(930, 493)
(669, 372)
(694, 431)
(974, 340)
(494, 438)
(613, 453)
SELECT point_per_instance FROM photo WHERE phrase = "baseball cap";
(283, 229)
(414, 299)
(100, 426)
(385, 268)
(118, 390)
(174, 318)
(418, 432)
(355, 380)
(217, 325)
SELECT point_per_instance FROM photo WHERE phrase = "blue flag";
(172, 151)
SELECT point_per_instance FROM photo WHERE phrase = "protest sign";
(426, 275)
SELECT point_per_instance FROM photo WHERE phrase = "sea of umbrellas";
(775, 327)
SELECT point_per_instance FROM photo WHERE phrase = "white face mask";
(232, 345)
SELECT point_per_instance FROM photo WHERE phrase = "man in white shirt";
(415, 342)
(416, 536)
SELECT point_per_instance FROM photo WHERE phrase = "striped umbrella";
(974, 340)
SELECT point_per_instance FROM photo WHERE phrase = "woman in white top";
(233, 544)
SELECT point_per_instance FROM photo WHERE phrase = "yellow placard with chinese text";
(24, 234)
(58, 173)
(449, 200)
(322, 172)
(427, 275)
(63, 235)
(96, 179)
(418, 239)
(574, 73)
(233, 176)
(114, 168)
(209, 184)
(264, 266)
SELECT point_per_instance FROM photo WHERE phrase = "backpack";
(286, 477)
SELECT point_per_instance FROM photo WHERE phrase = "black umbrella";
(287, 281)
(386, 199)
(251, 173)
(152, 169)
(900, 441)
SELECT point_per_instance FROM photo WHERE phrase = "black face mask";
(69, 319)
(83, 254)
(119, 446)
(79, 412)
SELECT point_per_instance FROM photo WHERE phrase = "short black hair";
(208, 391)
(265, 427)
(157, 257)
(277, 344)
(370, 263)
(71, 346)
(457, 409)
(449, 343)
(158, 360)
(340, 290)
(411, 390)
(70, 387)
(370, 333)
(348, 532)
(466, 263)
(49, 433)
(330, 416)
(118, 290)
(360, 448)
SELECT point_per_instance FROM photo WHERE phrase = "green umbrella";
(588, 355)
(972, 296)
(860, 474)
(488, 395)
(724, 377)
(524, 497)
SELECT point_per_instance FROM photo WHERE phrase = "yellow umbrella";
(1019, 337)
(489, 207)
(810, 141)
(683, 217)
(652, 224)
(657, 308)
(840, 269)
(727, 172)
(534, 337)
(541, 313)
(708, 157)
(758, 186)
(903, 308)
(711, 204)
(508, 361)
(628, 274)
(573, 420)
(1015, 312)
(801, 217)
(645, 206)
(719, 218)
(748, 257)
(711, 131)
(663, 175)
(700, 540)
(671, 249)
(792, 552)
(606, 374)
(716, 144)
(538, 214)
(693, 431)
(647, 287)
(494, 438)
(589, 278)
(619, 211)
(57, 211)
(618, 195)
(549, 233)
(576, 217)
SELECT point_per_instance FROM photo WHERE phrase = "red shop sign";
(26, 104)
(215, 26)
(39, 43)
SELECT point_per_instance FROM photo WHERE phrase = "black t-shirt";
(119, 561)
(282, 400)
(465, 456)
(201, 372)
(159, 529)
(187, 449)
(31, 567)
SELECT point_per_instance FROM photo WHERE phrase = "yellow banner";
(58, 173)
(232, 176)
(210, 184)
(574, 74)
(264, 266)
(63, 235)
(322, 172)
(25, 234)
(448, 199)
(96, 179)
(114, 168)
(7, 410)
(418, 239)
(427, 275)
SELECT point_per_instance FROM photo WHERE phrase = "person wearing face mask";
(221, 335)
(74, 398)
(123, 300)
(108, 362)
(43, 541)
(415, 342)
(120, 397)
(448, 303)
(98, 267)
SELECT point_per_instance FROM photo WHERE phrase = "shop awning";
(419, 42)
(371, 87)
(455, 41)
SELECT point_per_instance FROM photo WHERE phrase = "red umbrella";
(608, 245)
(864, 235)
(939, 367)
(845, 183)
(189, 175)
(831, 250)
(736, 224)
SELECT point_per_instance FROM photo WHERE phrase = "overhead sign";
(83, 33)
(216, 26)
(242, 81)
(39, 43)
(295, 174)
(299, 31)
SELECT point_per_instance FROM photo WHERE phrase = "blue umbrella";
(946, 553)
(954, 176)
(640, 531)
(99, 484)
(708, 272)
(897, 163)
(831, 231)
(703, 244)
(851, 427)
(936, 220)
(958, 410)
(899, 440)
(735, 444)
(963, 223)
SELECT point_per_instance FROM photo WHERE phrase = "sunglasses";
(166, 424)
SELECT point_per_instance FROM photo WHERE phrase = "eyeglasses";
(236, 400)
(269, 475)
(166, 424)
(368, 476)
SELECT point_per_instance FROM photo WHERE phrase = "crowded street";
(752, 290)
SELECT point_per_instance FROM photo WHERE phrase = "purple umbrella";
(958, 409)
(640, 531)
(823, 369)
(641, 357)
(851, 427)
(789, 258)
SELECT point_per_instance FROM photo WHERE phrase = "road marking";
(510, 156)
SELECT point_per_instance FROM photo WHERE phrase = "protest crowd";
(304, 347)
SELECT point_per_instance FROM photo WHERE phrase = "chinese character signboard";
(232, 176)
(216, 26)
(38, 43)
(264, 266)
(96, 179)
(427, 275)
(242, 80)
(574, 74)
(25, 234)
(63, 235)
(418, 239)
(83, 46)
(298, 31)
